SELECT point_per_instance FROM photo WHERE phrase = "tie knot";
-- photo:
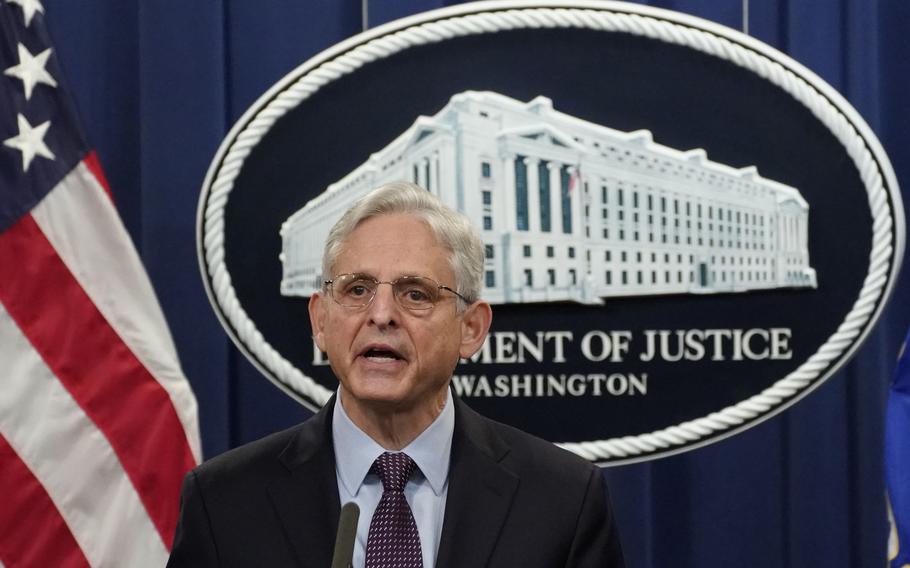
(393, 470)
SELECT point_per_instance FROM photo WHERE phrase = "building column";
(421, 172)
(531, 165)
(434, 181)
(555, 197)
(595, 220)
(447, 180)
(507, 213)
(577, 203)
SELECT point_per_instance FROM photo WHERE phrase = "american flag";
(97, 422)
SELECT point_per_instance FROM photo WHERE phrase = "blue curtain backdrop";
(159, 84)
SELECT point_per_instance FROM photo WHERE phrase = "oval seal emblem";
(685, 230)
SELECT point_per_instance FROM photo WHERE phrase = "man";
(437, 484)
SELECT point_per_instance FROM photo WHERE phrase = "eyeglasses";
(411, 292)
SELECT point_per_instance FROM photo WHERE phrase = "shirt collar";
(355, 451)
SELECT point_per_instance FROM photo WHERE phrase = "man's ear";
(316, 307)
(475, 323)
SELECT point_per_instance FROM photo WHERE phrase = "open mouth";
(381, 355)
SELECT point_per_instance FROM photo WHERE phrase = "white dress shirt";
(426, 491)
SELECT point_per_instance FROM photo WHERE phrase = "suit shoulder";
(248, 460)
(545, 450)
(531, 453)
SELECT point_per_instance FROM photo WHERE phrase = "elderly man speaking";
(436, 483)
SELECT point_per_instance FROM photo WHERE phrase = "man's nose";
(384, 309)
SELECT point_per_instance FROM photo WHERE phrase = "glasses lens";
(416, 293)
(353, 289)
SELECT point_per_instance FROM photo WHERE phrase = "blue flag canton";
(40, 140)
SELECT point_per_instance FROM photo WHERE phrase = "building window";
(571, 252)
(640, 277)
(551, 276)
(487, 223)
(623, 256)
(526, 251)
(543, 176)
(565, 182)
(487, 197)
(529, 277)
(415, 174)
(625, 277)
(573, 277)
(485, 169)
(488, 251)
(550, 251)
(490, 279)
(608, 277)
(608, 256)
(521, 194)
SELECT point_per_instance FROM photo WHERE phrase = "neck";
(391, 427)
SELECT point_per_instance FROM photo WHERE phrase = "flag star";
(30, 142)
(31, 70)
(29, 7)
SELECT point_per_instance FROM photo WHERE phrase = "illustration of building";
(573, 210)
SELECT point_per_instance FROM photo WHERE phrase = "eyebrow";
(369, 276)
(364, 275)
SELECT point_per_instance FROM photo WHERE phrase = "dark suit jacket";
(514, 501)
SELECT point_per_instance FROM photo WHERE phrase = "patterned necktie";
(393, 540)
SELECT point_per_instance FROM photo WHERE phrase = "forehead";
(388, 246)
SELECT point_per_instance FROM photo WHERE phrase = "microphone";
(343, 557)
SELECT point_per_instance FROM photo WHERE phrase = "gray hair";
(452, 230)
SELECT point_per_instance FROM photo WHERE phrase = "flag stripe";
(94, 165)
(72, 459)
(40, 537)
(103, 261)
(108, 382)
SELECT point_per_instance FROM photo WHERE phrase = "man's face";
(386, 357)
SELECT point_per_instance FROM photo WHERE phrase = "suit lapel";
(306, 499)
(480, 492)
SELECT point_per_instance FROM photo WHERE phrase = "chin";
(384, 391)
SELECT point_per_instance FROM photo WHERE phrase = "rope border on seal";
(624, 448)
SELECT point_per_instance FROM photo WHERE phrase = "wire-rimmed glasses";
(411, 292)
